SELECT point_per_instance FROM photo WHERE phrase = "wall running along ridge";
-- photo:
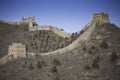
(89, 29)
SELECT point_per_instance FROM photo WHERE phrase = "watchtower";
(102, 17)
(28, 20)
(17, 50)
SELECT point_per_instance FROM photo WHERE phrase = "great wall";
(56, 30)
(78, 42)
(87, 31)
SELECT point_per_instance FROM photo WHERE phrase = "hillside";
(96, 59)
(92, 54)
(35, 41)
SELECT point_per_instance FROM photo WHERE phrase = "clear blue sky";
(71, 15)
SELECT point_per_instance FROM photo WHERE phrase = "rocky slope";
(98, 58)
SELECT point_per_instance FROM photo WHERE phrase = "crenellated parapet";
(28, 20)
(56, 30)
(101, 17)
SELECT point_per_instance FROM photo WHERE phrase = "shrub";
(57, 78)
(113, 57)
(104, 44)
(119, 39)
(87, 67)
(31, 66)
(81, 31)
(39, 64)
(84, 48)
(95, 63)
(56, 62)
(54, 69)
(90, 51)
(97, 59)
(92, 47)
(42, 62)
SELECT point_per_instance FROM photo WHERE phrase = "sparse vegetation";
(87, 66)
(54, 69)
(92, 47)
(42, 62)
(31, 66)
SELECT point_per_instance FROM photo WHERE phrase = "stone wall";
(6, 59)
(77, 43)
(53, 29)
(60, 32)
(24, 20)
(89, 29)
(10, 22)
(35, 28)
(44, 27)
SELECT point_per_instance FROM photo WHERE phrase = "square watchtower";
(17, 50)
(102, 17)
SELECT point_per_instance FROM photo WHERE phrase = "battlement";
(28, 20)
(49, 28)
(102, 17)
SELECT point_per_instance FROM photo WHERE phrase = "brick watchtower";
(102, 17)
